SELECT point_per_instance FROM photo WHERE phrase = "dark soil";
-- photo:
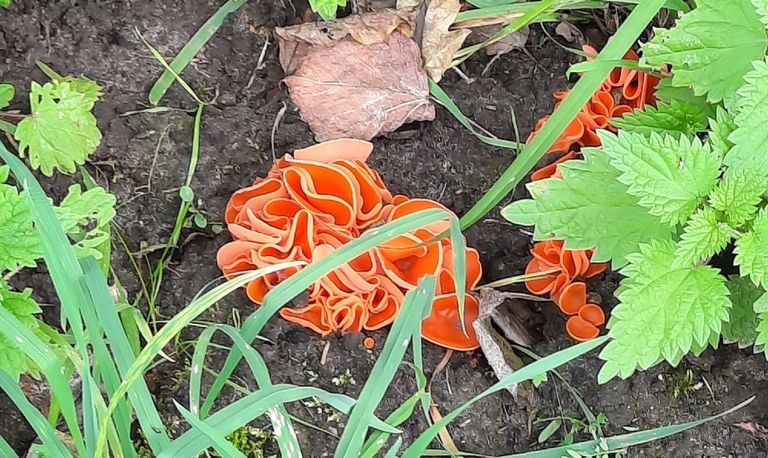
(443, 161)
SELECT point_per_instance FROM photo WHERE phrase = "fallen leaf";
(515, 40)
(755, 429)
(350, 89)
(570, 33)
(439, 44)
(297, 41)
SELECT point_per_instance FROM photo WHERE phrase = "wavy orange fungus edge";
(313, 202)
(622, 92)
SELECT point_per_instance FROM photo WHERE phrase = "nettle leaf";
(85, 216)
(720, 129)
(703, 236)
(750, 138)
(668, 93)
(673, 118)
(668, 174)
(751, 255)
(738, 194)
(7, 92)
(327, 8)
(663, 311)
(61, 132)
(19, 243)
(710, 48)
(741, 327)
(582, 207)
(13, 360)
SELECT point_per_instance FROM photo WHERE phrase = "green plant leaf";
(666, 92)
(94, 207)
(61, 132)
(710, 48)
(7, 92)
(90, 90)
(741, 326)
(738, 194)
(5, 3)
(13, 360)
(327, 8)
(703, 236)
(720, 129)
(675, 117)
(19, 242)
(751, 256)
(573, 208)
(750, 138)
(668, 174)
(663, 311)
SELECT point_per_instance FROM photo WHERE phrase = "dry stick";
(445, 436)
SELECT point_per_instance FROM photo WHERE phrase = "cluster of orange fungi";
(624, 91)
(316, 200)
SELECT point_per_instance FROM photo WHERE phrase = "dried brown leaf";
(570, 32)
(438, 43)
(297, 41)
(349, 89)
(515, 40)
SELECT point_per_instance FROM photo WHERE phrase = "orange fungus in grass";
(313, 202)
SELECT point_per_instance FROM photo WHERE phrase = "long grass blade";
(626, 440)
(526, 373)
(36, 420)
(139, 395)
(615, 49)
(6, 450)
(190, 50)
(299, 282)
(173, 327)
(406, 323)
(219, 442)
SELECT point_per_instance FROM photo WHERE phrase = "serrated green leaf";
(673, 118)
(19, 242)
(761, 7)
(710, 48)
(751, 255)
(61, 132)
(669, 175)
(582, 208)
(703, 236)
(663, 310)
(13, 360)
(720, 129)
(741, 327)
(738, 194)
(327, 8)
(7, 92)
(80, 208)
(750, 138)
(666, 92)
(761, 304)
(88, 88)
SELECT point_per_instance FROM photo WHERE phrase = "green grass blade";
(53, 445)
(190, 50)
(526, 373)
(139, 395)
(615, 49)
(6, 450)
(445, 100)
(494, 8)
(219, 442)
(173, 327)
(626, 440)
(245, 410)
(286, 440)
(392, 452)
(299, 282)
(406, 323)
(7, 127)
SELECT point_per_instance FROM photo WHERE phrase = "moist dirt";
(143, 159)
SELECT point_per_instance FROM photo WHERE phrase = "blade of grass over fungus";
(174, 327)
(615, 49)
(139, 395)
(66, 274)
(247, 409)
(445, 100)
(293, 286)
(548, 363)
(400, 335)
(626, 440)
(190, 50)
(45, 432)
(218, 441)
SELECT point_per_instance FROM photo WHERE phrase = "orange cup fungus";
(316, 200)
(622, 92)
